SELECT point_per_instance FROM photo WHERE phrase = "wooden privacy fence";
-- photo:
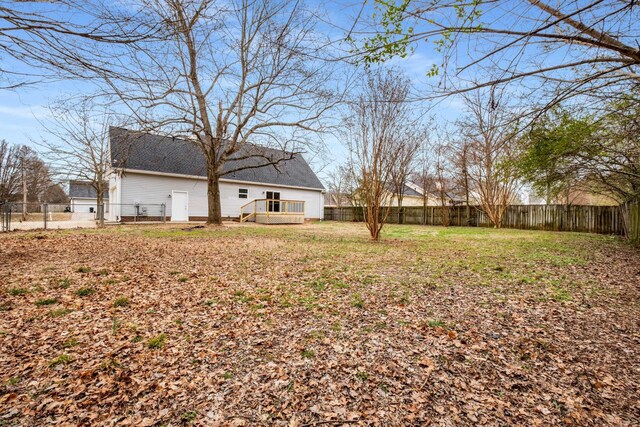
(588, 219)
(631, 220)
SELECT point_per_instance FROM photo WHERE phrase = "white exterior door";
(179, 206)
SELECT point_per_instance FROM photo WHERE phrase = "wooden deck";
(273, 211)
(279, 218)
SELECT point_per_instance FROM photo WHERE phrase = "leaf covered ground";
(315, 325)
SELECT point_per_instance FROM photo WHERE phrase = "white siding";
(82, 205)
(114, 197)
(155, 189)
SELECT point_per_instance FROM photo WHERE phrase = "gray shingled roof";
(83, 189)
(408, 191)
(156, 153)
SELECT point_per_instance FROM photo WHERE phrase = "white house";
(83, 198)
(153, 176)
(414, 195)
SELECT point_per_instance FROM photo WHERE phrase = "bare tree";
(24, 177)
(37, 176)
(423, 173)
(340, 183)
(563, 48)
(9, 171)
(55, 194)
(461, 153)
(408, 142)
(235, 77)
(78, 145)
(378, 115)
(490, 131)
(64, 39)
(443, 182)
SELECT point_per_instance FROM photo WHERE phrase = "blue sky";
(21, 110)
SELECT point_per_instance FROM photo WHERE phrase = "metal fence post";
(163, 210)
(45, 208)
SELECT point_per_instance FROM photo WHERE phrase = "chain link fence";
(138, 212)
(32, 216)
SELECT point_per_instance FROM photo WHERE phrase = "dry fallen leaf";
(250, 325)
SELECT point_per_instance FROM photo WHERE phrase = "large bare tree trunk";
(424, 208)
(100, 200)
(214, 211)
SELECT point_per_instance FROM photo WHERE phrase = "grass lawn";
(313, 324)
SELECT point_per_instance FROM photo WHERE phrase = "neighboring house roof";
(156, 153)
(84, 190)
(456, 198)
(411, 191)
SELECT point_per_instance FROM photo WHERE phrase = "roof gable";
(156, 153)
(411, 191)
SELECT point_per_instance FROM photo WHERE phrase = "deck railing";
(271, 207)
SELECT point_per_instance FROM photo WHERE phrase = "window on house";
(243, 193)
(274, 201)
